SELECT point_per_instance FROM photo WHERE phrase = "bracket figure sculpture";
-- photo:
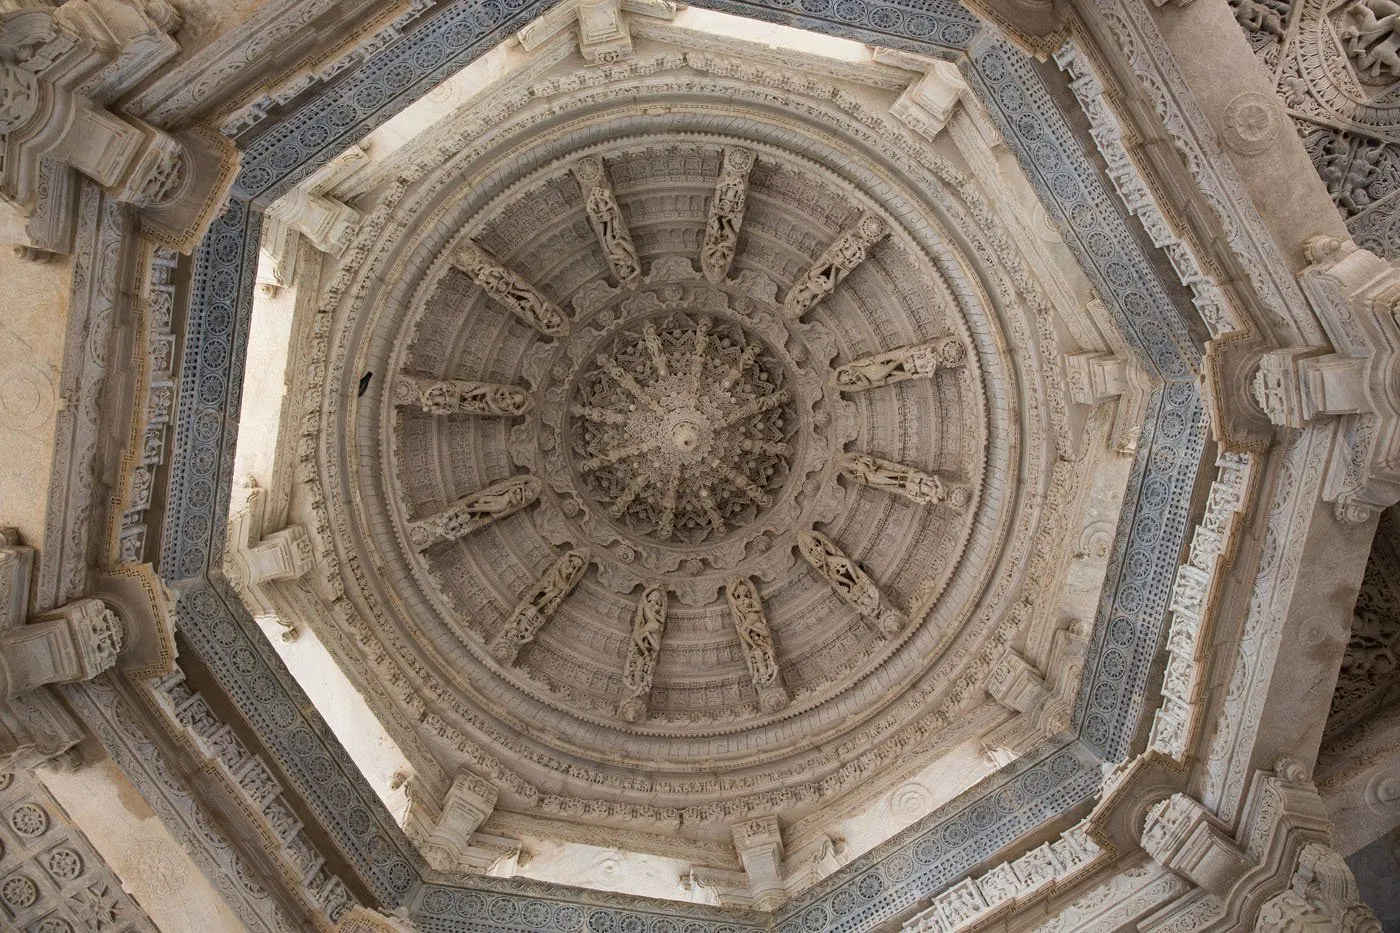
(726, 214)
(839, 260)
(901, 480)
(917, 361)
(648, 624)
(474, 512)
(746, 608)
(511, 291)
(605, 217)
(850, 582)
(539, 605)
(454, 396)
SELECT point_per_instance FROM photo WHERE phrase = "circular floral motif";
(64, 864)
(681, 430)
(19, 892)
(29, 820)
(54, 925)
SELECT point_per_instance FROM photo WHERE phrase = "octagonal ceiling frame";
(1062, 775)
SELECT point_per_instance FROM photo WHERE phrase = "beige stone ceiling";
(653, 545)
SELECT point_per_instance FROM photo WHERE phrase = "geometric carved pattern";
(51, 880)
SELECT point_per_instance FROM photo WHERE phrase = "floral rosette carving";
(684, 430)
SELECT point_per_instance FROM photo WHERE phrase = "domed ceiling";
(693, 447)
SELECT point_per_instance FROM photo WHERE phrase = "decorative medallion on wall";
(1336, 64)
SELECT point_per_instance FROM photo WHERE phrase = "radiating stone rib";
(615, 456)
(742, 483)
(899, 479)
(698, 353)
(850, 582)
(849, 250)
(454, 396)
(539, 605)
(756, 407)
(667, 525)
(599, 415)
(736, 371)
(760, 655)
(655, 350)
(648, 625)
(473, 512)
(625, 380)
(605, 217)
(726, 214)
(511, 291)
(634, 489)
(917, 361)
(707, 501)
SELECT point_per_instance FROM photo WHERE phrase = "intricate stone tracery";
(726, 214)
(476, 511)
(839, 260)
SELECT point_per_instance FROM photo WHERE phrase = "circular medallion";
(680, 429)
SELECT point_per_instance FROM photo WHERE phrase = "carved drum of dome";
(790, 453)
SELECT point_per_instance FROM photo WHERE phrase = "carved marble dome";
(691, 445)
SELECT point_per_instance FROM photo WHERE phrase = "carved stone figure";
(539, 605)
(511, 291)
(746, 608)
(648, 624)
(453, 396)
(832, 266)
(605, 217)
(726, 214)
(898, 479)
(919, 361)
(1372, 37)
(476, 511)
(849, 581)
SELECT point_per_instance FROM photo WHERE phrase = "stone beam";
(837, 261)
(849, 582)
